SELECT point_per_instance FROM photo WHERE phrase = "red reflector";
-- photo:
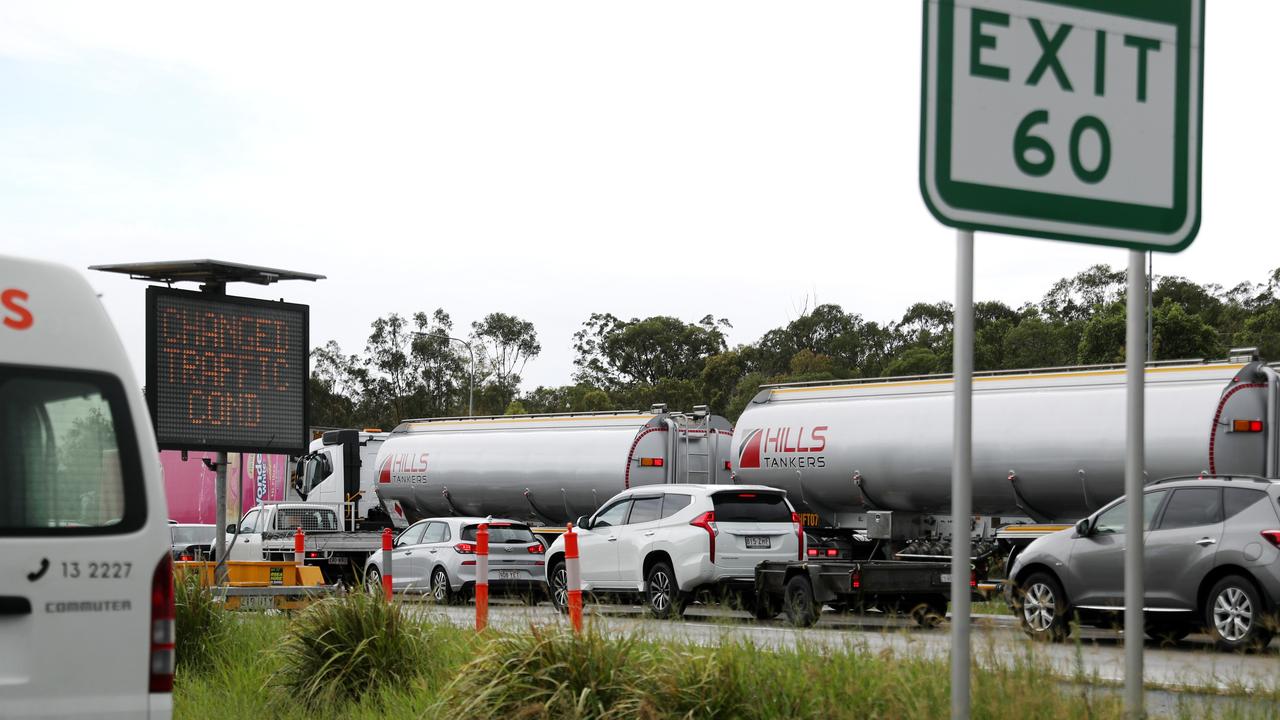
(727, 465)
(465, 548)
(832, 552)
(1272, 536)
(813, 552)
(973, 578)
(651, 462)
(1255, 426)
(468, 562)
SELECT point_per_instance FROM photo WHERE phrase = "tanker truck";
(543, 469)
(868, 462)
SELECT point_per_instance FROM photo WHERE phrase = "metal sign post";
(962, 475)
(1134, 590)
(1070, 120)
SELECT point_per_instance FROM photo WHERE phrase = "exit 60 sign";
(1073, 120)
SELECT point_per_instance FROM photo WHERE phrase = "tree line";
(420, 366)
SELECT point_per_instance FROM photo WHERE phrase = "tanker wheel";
(798, 603)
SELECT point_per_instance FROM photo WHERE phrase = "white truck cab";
(86, 579)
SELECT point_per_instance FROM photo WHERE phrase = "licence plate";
(256, 602)
(338, 560)
(945, 577)
(508, 574)
(757, 541)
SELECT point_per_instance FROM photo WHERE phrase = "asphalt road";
(1096, 654)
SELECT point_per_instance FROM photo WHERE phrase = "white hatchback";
(86, 578)
(667, 542)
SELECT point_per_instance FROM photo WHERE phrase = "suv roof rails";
(1207, 476)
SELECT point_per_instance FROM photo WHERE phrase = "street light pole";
(471, 386)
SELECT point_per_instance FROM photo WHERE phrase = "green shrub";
(340, 648)
(200, 624)
(551, 673)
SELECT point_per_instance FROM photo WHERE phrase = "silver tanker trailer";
(873, 457)
(546, 469)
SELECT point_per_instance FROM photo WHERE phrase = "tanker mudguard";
(1047, 443)
(546, 469)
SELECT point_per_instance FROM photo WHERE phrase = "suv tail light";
(162, 620)
(795, 520)
(707, 521)
(465, 548)
(1272, 536)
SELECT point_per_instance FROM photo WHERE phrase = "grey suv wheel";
(661, 593)
(1042, 608)
(1234, 615)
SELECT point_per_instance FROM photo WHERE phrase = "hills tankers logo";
(787, 447)
(403, 468)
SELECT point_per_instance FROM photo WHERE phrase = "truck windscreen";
(750, 507)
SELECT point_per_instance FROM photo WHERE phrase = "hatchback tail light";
(162, 621)
(707, 521)
(465, 548)
(1272, 536)
(535, 549)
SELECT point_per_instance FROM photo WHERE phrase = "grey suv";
(1212, 562)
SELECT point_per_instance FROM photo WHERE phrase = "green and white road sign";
(1073, 120)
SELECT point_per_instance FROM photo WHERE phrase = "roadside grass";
(547, 672)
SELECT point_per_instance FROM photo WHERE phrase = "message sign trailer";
(227, 373)
(213, 275)
(1075, 120)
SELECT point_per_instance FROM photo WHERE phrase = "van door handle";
(14, 605)
(1205, 542)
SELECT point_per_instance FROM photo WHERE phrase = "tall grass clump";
(551, 673)
(201, 625)
(340, 648)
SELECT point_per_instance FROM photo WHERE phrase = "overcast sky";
(546, 159)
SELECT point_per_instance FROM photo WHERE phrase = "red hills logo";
(785, 447)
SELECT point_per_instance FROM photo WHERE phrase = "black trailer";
(800, 589)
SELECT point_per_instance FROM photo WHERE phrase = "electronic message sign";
(227, 373)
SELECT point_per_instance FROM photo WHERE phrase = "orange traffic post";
(386, 563)
(299, 546)
(482, 576)
(573, 579)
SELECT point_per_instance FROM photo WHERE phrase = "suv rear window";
(750, 507)
(68, 459)
(501, 534)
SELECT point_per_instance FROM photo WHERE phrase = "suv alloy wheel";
(1234, 615)
(661, 593)
(1042, 608)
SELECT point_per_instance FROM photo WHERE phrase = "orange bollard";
(386, 563)
(299, 546)
(573, 578)
(482, 576)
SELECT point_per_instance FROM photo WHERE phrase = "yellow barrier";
(274, 575)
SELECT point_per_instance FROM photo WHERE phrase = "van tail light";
(162, 631)
(795, 520)
(465, 548)
(1272, 536)
(707, 521)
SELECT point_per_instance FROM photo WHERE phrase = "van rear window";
(750, 507)
(68, 458)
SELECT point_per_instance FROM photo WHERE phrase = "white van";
(86, 579)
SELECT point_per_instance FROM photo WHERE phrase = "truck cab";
(339, 470)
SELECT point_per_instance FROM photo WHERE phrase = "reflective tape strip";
(573, 579)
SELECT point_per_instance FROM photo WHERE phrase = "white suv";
(667, 542)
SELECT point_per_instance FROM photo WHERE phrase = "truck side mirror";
(1083, 529)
